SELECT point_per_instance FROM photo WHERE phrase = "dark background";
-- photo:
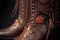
(55, 33)
(6, 7)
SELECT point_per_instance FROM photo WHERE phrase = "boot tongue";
(6, 7)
